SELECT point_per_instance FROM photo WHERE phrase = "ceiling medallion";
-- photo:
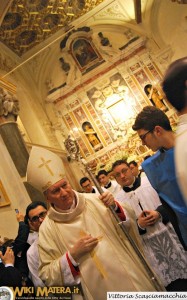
(51, 20)
(36, 5)
(25, 38)
(11, 21)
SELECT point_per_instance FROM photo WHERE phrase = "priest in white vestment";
(33, 264)
(79, 241)
(88, 187)
(160, 242)
(111, 185)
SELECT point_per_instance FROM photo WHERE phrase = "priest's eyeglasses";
(123, 171)
(40, 216)
(143, 136)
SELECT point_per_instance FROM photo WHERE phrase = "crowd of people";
(78, 240)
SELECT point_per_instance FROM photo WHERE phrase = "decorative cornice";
(138, 46)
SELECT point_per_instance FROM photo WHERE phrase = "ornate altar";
(103, 92)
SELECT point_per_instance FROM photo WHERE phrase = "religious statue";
(104, 40)
(91, 136)
(155, 97)
(9, 104)
(64, 65)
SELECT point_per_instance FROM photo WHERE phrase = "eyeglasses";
(123, 171)
(40, 216)
(143, 136)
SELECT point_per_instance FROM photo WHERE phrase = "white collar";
(67, 210)
(131, 185)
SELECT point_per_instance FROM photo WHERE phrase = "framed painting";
(85, 54)
(4, 200)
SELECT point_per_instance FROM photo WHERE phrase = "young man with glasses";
(35, 214)
(154, 129)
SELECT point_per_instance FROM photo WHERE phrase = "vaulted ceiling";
(28, 23)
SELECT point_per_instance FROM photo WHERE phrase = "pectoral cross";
(45, 163)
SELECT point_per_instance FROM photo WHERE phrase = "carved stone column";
(15, 145)
(11, 135)
(9, 108)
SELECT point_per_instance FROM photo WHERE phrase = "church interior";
(74, 75)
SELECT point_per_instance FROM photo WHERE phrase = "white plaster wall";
(32, 112)
(16, 192)
(169, 26)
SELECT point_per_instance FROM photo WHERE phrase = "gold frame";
(4, 200)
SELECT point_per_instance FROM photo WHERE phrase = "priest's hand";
(108, 199)
(148, 218)
(83, 246)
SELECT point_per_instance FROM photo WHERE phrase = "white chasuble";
(111, 266)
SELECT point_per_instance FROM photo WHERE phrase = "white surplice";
(161, 245)
(33, 264)
(114, 188)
